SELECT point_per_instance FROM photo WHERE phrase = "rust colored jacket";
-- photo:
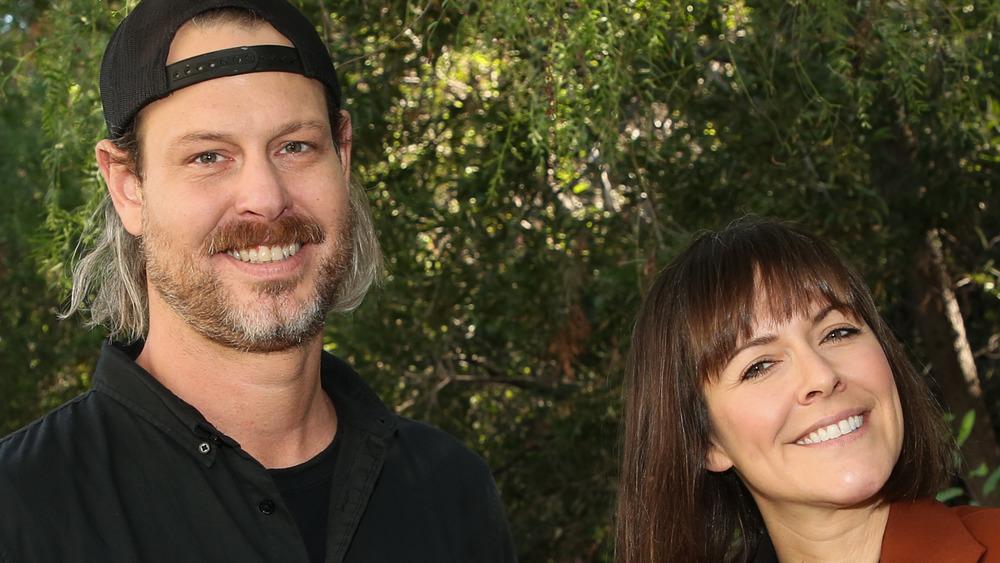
(927, 530)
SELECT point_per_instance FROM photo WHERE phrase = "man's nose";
(261, 188)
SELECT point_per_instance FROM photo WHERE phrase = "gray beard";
(276, 324)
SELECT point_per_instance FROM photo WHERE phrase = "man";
(225, 432)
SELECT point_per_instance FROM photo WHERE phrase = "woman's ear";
(123, 184)
(716, 459)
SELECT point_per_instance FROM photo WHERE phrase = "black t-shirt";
(765, 551)
(305, 488)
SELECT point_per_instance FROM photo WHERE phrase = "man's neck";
(272, 404)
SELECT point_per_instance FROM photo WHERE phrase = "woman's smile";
(822, 434)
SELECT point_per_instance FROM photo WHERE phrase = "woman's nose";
(818, 376)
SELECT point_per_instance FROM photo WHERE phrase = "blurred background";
(531, 165)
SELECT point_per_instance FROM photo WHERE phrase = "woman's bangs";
(775, 280)
(787, 290)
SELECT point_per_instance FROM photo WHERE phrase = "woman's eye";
(756, 370)
(839, 334)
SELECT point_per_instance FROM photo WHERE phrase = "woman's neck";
(828, 535)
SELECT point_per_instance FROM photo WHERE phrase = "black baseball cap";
(134, 71)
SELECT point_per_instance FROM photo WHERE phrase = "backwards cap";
(134, 71)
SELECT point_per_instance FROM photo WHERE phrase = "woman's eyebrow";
(770, 338)
(818, 317)
(758, 341)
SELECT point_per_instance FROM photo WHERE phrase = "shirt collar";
(921, 530)
(356, 403)
(120, 377)
(927, 530)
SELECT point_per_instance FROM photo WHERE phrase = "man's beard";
(273, 322)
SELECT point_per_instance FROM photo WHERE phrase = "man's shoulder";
(59, 423)
(423, 455)
(51, 441)
(47, 461)
(434, 444)
(431, 481)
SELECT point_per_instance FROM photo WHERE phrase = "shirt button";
(266, 506)
(204, 447)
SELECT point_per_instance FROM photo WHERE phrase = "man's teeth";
(263, 254)
(846, 426)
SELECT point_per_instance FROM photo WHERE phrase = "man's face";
(245, 217)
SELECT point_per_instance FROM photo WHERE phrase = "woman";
(771, 416)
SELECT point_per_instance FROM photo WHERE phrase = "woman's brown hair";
(670, 506)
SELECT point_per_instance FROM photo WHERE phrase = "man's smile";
(262, 254)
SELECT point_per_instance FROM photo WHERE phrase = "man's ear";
(716, 459)
(343, 137)
(124, 186)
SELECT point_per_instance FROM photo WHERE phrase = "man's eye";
(207, 158)
(294, 147)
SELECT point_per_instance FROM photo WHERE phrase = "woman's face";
(807, 412)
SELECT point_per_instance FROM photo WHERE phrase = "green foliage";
(991, 482)
(530, 166)
(42, 361)
(965, 428)
(950, 494)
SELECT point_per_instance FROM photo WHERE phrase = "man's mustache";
(286, 230)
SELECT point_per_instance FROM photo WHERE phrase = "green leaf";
(949, 493)
(991, 483)
(965, 430)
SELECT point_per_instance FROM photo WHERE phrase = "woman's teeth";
(846, 426)
(263, 254)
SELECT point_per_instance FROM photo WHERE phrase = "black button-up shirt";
(129, 472)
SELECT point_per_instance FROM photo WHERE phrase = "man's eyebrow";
(307, 125)
(217, 136)
(201, 136)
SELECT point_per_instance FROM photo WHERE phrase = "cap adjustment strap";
(230, 62)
